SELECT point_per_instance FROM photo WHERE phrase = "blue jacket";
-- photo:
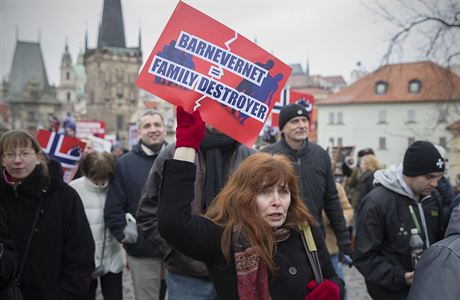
(125, 190)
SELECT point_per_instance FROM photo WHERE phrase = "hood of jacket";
(392, 179)
(454, 222)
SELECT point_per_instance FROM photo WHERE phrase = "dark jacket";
(446, 191)
(362, 183)
(61, 256)
(438, 271)
(382, 252)
(8, 257)
(199, 237)
(317, 185)
(147, 213)
(125, 189)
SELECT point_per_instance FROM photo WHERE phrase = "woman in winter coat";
(97, 169)
(250, 238)
(60, 257)
(369, 164)
(8, 257)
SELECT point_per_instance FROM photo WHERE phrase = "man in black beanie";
(404, 198)
(314, 168)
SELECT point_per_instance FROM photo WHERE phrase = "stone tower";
(29, 96)
(111, 69)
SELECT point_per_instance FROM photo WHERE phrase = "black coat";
(125, 189)
(317, 186)
(8, 258)
(61, 256)
(382, 252)
(199, 238)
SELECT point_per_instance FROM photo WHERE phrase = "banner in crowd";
(65, 149)
(291, 96)
(199, 63)
(133, 136)
(100, 145)
(90, 128)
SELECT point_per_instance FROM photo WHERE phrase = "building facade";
(392, 107)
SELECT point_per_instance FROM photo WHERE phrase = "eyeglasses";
(24, 154)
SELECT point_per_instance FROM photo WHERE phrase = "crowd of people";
(206, 217)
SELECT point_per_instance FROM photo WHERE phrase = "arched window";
(381, 87)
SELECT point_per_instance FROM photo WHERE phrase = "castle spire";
(140, 37)
(307, 68)
(111, 30)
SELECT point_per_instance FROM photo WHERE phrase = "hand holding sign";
(190, 129)
(199, 62)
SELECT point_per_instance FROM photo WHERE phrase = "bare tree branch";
(439, 21)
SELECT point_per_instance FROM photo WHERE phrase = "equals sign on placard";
(215, 72)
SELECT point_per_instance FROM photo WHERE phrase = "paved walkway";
(353, 279)
(356, 288)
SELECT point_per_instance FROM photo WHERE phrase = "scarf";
(251, 272)
(217, 149)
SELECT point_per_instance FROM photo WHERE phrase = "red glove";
(189, 130)
(327, 290)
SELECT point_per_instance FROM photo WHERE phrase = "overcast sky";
(332, 35)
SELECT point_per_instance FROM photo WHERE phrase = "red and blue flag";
(64, 149)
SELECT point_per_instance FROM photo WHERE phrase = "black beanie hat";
(365, 151)
(291, 111)
(422, 158)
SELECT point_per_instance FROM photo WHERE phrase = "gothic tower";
(30, 97)
(111, 69)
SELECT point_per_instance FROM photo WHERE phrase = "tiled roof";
(335, 79)
(296, 69)
(437, 84)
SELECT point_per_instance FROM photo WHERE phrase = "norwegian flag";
(290, 96)
(65, 149)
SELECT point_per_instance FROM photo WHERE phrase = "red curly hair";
(235, 206)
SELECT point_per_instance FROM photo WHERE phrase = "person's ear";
(41, 158)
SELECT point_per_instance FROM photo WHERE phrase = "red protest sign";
(290, 96)
(199, 63)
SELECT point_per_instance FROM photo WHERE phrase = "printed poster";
(199, 63)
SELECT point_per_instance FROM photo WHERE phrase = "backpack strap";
(312, 252)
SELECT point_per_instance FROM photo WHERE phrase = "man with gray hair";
(123, 196)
